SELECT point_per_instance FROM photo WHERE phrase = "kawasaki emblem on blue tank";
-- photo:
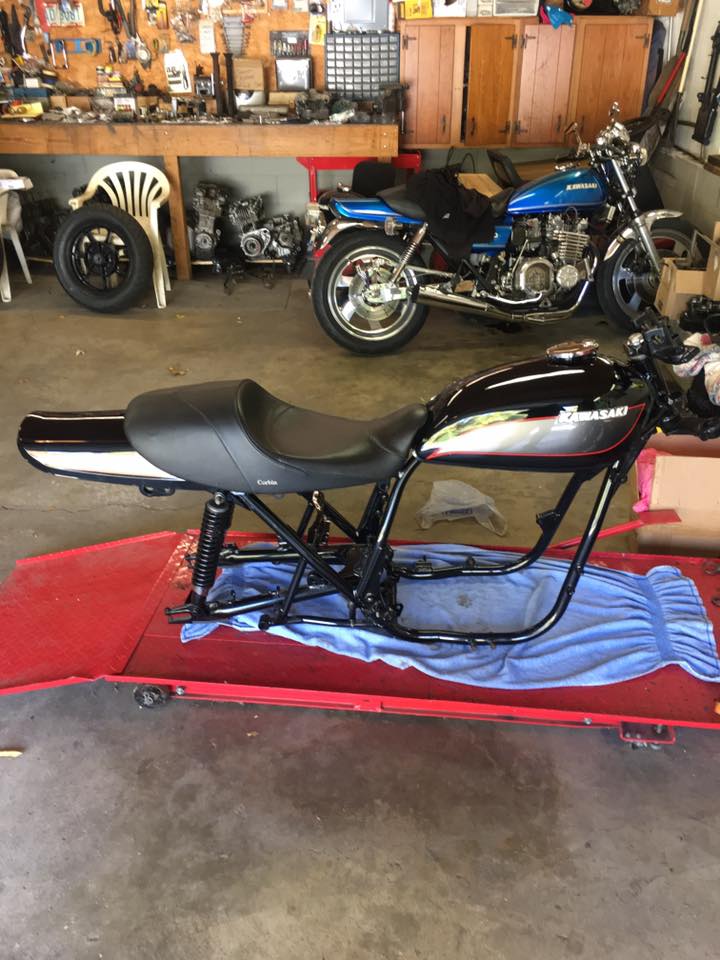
(528, 252)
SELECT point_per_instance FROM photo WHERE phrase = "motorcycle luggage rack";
(362, 571)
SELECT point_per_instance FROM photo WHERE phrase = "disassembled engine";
(277, 238)
(208, 202)
(241, 224)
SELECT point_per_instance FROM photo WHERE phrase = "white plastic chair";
(10, 226)
(140, 189)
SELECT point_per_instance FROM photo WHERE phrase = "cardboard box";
(58, 101)
(481, 182)
(248, 74)
(82, 103)
(686, 478)
(711, 287)
(676, 288)
(658, 8)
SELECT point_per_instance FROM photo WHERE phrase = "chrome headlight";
(638, 153)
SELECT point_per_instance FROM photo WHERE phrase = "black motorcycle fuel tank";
(569, 410)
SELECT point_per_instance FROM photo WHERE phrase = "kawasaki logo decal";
(581, 416)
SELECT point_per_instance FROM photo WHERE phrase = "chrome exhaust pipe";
(439, 298)
(433, 296)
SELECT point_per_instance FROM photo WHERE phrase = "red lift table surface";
(98, 613)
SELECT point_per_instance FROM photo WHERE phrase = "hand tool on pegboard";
(58, 46)
(230, 84)
(91, 46)
(5, 31)
(217, 85)
(15, 33)
(111, 15)
(142, 51)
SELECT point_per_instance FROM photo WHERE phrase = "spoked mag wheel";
(353, 299)
(103, 258)
(627, 283)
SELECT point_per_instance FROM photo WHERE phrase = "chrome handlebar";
(612, 143)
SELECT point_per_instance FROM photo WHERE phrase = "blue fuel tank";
(578, 188)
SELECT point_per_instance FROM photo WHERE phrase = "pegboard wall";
(82, 66)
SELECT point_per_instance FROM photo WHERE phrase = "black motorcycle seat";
(235, 436)
(504, 169)
(499, 202)
(397, 199)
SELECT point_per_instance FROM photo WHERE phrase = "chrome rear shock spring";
(409, 252)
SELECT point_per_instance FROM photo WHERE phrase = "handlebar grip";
(710, 430)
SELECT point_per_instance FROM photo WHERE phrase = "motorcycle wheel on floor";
(103, 258)
(626, 283)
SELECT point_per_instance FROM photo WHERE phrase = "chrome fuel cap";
(570, 350)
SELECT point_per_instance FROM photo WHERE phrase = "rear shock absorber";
(216, 520)
(409, 253)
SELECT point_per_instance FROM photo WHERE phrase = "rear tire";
(103, 258)
(338, 295)
(624, 284)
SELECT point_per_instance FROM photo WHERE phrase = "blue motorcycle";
(380, 267)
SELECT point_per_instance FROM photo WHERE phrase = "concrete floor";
(222, 831)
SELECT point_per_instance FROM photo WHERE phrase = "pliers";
(112, 16)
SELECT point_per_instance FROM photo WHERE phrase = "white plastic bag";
(455, 500)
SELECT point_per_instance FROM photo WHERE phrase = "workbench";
(172, 141)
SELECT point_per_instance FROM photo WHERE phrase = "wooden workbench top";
(200, 139)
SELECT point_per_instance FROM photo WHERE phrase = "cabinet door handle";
(443, 123)
(513, 39)
(519, 128)
(506, 128)
(406, 40)
(558, 125)
(473, 127)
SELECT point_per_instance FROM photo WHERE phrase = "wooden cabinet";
(610, 63)
(491, 82)
(522, 82)
(544, 88)
(431, 62)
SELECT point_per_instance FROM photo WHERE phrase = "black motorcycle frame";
(368, 577)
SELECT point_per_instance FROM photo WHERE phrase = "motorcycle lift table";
(97, 613)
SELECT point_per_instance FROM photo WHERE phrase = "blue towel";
(618, 625)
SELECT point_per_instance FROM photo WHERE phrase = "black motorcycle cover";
(457, 217)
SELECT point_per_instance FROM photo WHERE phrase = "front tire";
(626, 284)
(346, 292)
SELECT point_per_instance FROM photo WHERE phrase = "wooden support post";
(178, 222)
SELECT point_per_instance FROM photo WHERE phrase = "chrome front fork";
(637, 222)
